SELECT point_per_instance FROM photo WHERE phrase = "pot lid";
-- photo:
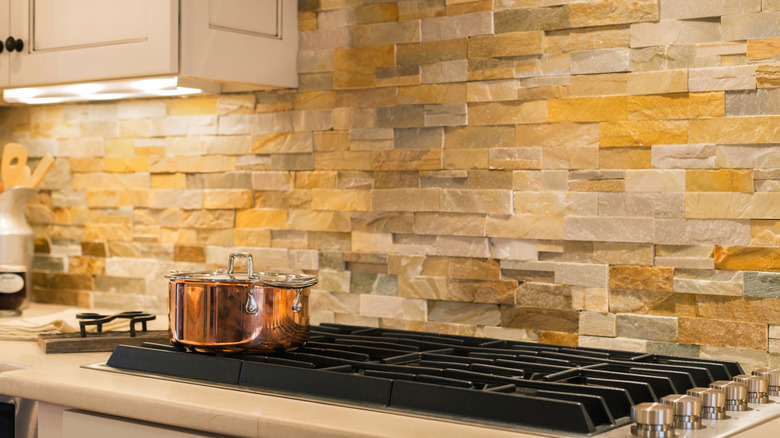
(287, 281)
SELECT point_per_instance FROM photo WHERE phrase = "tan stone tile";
(192, 106)
(432, 52)
(344, 160)
(609, 229)
(397, 75)
(747, 258)
(507, 44)
(764, 48)
(469, 137)
(361, 78)
(572, 40)
(525, 226)
(364, 57)
(724, 180)
(469, 159)
(722, 333)
(557, 134)
(655, 180)
(570, 157)
(335, 199)
(735, 130)
(600, 84)
(432, 93)
(641, 278)
(406, 199)
(312, 100)
(469, 7)
(456, 26)
(376, 13)
(261, 218)
(587, 109)
(432, 288)
(645, 133)
(625, 158)
(411, 159)
(768, 76)
(476, 201)
(605, 12)
(227, 198)
(556, 203)
(507, 113)
(652, 303)
(676, 106)
(451, 224)
(386, 33)
(540, 319)
(415, 10)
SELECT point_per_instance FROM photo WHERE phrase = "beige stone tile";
(506, 44)
(507, 113)
(587, 109)
(604, 12)
(647, 133)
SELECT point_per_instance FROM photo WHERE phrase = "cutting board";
(74, 343)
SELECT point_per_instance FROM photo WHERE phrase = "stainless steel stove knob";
(652, 420)
(757, 389)
(687, 410)
(713, 402)
(773, 381)
(736, 394)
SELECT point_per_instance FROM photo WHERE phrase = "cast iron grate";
(507, 383)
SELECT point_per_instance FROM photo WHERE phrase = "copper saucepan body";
(220, 312)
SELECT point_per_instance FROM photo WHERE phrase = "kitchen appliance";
(509, 385)
(221, 312)
(16, 250)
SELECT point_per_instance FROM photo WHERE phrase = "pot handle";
(233, 256)
(297, 304)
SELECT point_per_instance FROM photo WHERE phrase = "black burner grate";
(508, 383)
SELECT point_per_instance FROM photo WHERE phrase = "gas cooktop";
(504, 384)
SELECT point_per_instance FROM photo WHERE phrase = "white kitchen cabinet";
(244, 43)
(55, 421)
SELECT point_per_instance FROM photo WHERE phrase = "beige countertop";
(59, 379)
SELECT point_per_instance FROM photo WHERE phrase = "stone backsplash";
(603, 173)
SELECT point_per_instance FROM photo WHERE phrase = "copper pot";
(219, 312)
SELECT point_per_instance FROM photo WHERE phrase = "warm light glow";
(152, 87)
(155, 84)
(21, 93)
(84, 89)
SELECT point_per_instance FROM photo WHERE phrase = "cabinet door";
(242, 41)
(4, 32)
(81, 40)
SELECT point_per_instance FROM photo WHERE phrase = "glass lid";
(287, 281)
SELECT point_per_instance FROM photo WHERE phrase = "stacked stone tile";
(583, 172)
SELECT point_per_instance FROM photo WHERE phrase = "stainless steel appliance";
(537, 388)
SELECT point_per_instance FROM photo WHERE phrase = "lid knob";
(653, 420)
(736, 394)
(687, 410)
(713, 402)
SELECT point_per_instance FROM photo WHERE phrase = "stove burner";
(98, 320)
(491, 381)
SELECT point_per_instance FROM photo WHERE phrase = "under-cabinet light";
(153, 87)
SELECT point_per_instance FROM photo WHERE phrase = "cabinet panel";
(83, 424)
(92, 39)
(61, 25)
(219, 38)
(257, 17)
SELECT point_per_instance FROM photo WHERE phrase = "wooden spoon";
(14, 166)
(40, 171)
